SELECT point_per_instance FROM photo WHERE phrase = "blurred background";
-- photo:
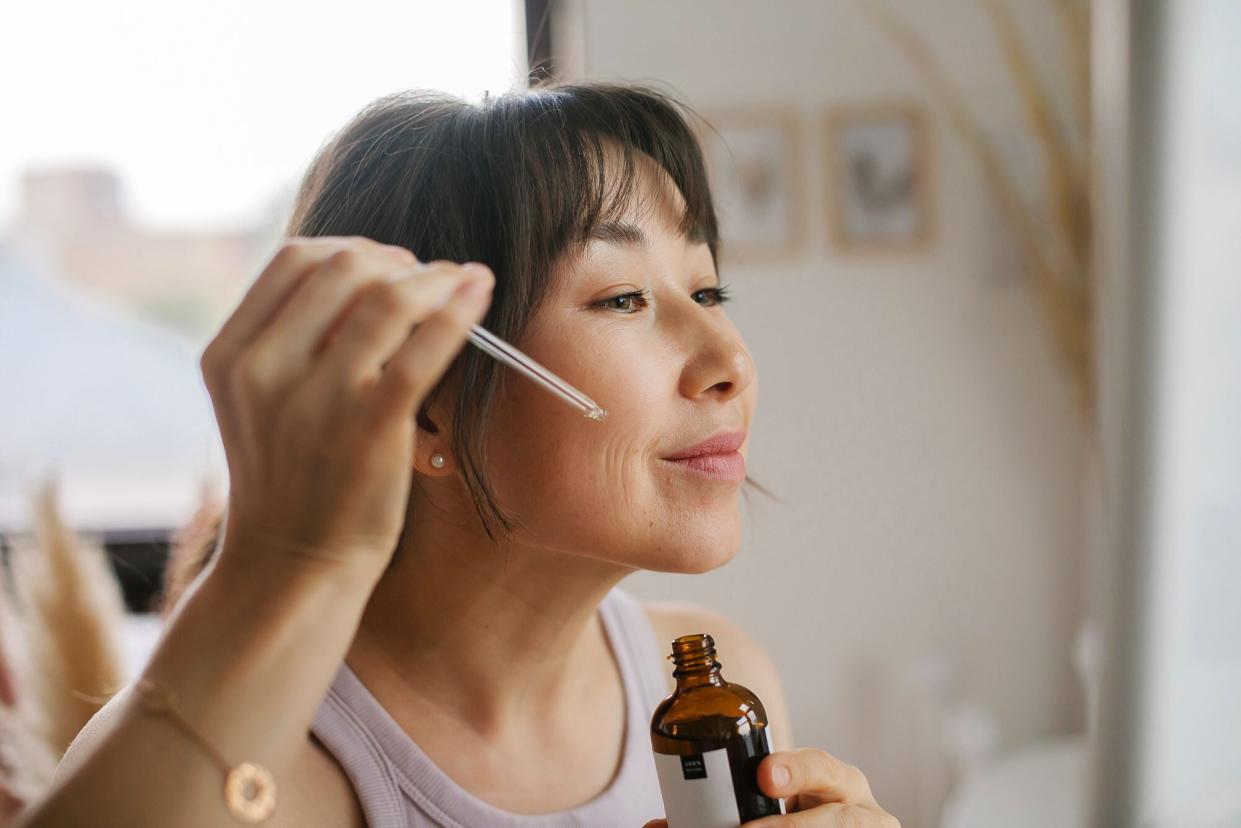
(981, 254)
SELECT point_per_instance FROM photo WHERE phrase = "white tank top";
(398, 785)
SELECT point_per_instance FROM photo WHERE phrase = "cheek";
(597, 489)
(565, 477)
(554, 455)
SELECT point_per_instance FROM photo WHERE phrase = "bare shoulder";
(318, 792)
(745, 660)
(95, 731)
(325, 794)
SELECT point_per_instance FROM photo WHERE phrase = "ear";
(432, 444)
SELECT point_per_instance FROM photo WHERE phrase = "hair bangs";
(593, 153)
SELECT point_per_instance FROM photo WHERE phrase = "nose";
(719, 365)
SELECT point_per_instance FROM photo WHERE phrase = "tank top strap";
(630, 626)
(399, 786)
(339, 724)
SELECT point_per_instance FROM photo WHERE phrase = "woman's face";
(635, 322)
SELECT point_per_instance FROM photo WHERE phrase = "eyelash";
(719, 295)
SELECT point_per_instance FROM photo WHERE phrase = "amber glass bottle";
(708, 738)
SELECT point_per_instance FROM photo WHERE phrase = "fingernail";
(780, 775)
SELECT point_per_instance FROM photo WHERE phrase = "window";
(147, 164)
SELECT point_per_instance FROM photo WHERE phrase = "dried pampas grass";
(62, 639)
(1058, 259)
(191, 549)
(26, 764)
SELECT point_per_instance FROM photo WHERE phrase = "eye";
(709, 297)
(628, 302)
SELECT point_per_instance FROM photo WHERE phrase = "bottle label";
(698, 790)
(716, 788)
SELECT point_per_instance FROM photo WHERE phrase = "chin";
(708, 551)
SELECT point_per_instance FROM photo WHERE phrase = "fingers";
(272, 287)
(813, 772)
(421, 360)
(381, 319)
(229, 363)
(832, 815)
(287, 345)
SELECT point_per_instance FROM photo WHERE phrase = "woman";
(451, 647)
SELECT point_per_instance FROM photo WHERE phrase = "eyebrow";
(618, 232)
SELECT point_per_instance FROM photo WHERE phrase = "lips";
(716, 457)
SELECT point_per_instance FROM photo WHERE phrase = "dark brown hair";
(516, 182)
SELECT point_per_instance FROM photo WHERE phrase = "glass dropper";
(493, 345)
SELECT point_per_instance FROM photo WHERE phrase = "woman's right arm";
(315, 380)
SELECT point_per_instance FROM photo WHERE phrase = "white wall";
(912, 415)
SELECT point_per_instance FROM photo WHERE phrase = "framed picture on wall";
(753, 159)
(878, 177)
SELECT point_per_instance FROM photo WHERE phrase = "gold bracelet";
(249, 788)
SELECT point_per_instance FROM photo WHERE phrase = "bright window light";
(207, 111)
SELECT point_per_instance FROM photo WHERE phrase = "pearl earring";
(437, 461)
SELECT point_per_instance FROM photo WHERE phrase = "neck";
(487, 633)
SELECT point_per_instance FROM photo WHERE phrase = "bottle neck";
(694, 657)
